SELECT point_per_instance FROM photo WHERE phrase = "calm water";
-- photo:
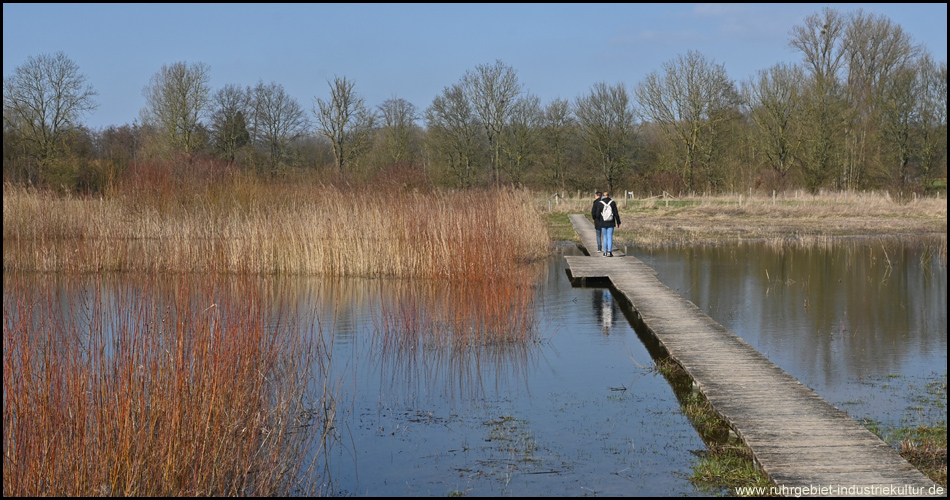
(572, 414)
(863, 325)
(577, 412)
(865, 330)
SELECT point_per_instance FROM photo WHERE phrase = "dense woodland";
(865, 109)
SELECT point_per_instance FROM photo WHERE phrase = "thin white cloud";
(710, 9)
(746, 22)
(668, 36)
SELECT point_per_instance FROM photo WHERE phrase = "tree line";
(865, 108)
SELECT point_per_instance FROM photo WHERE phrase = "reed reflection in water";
(457, 335)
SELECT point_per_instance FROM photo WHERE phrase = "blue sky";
(413, 51)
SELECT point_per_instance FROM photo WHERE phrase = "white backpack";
(607, 214)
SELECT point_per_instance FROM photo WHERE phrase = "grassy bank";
(726, 464)
(242, 225)
(788, 218)
(923, 440)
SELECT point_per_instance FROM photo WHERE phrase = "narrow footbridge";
(805, 445)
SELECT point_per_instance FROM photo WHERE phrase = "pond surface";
(578, 414)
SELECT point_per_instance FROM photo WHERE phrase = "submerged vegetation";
(200, 390)
(923, 440)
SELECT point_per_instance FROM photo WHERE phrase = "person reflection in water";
(605, 309)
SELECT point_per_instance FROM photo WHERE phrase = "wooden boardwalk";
(803, 443)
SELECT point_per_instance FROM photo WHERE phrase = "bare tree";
(522, 135)
(119, 144)
(492, 90)
(278, 120)
(454, 133)
(346, 122)
(229, 127)
(774, 100)
(930, 132)
(689, 100)
(556, 125)
(399, 129)
(44, 100)
(176, 99)
(876, 51)
(607, 122)
(898, 113)
(820, 39)
(913, 122)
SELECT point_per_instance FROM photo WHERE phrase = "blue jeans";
(598, 231)
(608, 239)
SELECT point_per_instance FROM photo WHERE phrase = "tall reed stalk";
(139, 390)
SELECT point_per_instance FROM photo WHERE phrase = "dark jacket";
(595, 213)
(599, 223)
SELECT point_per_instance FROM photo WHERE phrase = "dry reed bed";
(136, 390)
(275, 230)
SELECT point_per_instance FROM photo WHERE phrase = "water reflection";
(605, 310)
(425, 409)
(834, 316)
(536, 418)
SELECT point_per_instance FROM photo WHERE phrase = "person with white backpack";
(595, 216)
(609, 218)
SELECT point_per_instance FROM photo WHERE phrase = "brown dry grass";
(930, 456)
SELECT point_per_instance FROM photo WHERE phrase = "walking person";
(610, 219)
(595, 215)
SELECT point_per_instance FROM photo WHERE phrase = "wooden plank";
(801, 442)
